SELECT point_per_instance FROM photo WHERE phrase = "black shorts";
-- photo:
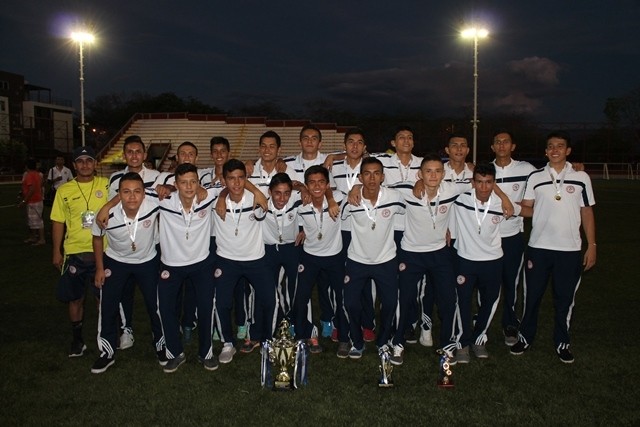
(78, 271)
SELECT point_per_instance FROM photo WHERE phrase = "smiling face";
(134, 156)
(557, 151)
(186, 154)
(85, 167)
(317, 185)
(219, 154)
(403, 142)
(280, 195)
(269, 149)
(457, 149)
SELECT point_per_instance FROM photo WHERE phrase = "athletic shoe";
(162, 357)
(510, 335)
(249, 346)
(480, 351)
(242, 332)
(368, 335)
(77, 348)
(327, 328)
(396, 356)
(173, 364)
(426, 339)
(126, 339)
(518, 348)
(565, 355)
(102, 364)
(410, 336)
(186, 333)
(462, 355)
(343, 350)
(314, 347)
(334, 335)
(355, 353)
(209, 364)
(226, 355)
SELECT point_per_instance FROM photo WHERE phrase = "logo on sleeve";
(386, 213)
(443, 209)
(99, 194)
(516, 187)
(146, 223)
(571, 189)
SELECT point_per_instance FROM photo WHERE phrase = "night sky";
(553, 60)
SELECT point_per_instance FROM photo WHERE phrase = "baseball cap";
(83, 152)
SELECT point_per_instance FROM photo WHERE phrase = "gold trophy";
(279, 356)
(385, 367)
(445, 375)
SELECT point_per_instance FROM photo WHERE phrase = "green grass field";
(41, 386)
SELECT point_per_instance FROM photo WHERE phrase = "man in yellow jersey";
(75, 206)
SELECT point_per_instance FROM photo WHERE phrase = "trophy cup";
(385, 367)
(445, 376)
(279, 356)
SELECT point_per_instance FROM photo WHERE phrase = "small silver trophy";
(445, 375)
(385, 367)
(279, 356)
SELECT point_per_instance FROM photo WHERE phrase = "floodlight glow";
(471, 33)
(82, 37)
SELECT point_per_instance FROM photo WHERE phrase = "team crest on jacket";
(529, 264)
(402, 266)
(290, 216)
(386, 213)
(516, 187)
(571, 189)
(72, 269)
(347, 279)
(300, 268)
(252, 217)
(495, 219)
(107, 272)
(202, 213)
(461, 279)
(165, 274)
(443, 209)
(217, 273)
(146, 223)
(99, 194)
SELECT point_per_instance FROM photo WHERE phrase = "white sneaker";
(226, 355)
(396, 357)
(126, 339)
(426, 339)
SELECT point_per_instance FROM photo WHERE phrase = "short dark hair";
(371, 161)
(131, 176)
(231, 165)
(502, 130)
(484, 169)
(401, 128)
(186, 168)
(316, 169)
(188, 144)
(280, 178)
(219, 140)
(560, 134)
(271, 134)
(457, 135)
(312, 127)
(353, 131)
(133, 139)
(431, 157)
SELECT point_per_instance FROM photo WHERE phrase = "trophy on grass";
(385, 367)
(279, 357)
(445, 375)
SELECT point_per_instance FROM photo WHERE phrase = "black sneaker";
(162, 357)
(209, 364)
(518, 348)
(77, 348)
(565, 355)
(173, 364)
(510, 335)
(102, 364)
(410, 336)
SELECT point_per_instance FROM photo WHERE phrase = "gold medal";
(236, 231)
(558, 197)
(133, 246)
(280, 238)
(319, 236)
(373, 226)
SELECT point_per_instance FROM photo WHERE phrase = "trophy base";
(385, 385)
(445, 383)
(282, 386)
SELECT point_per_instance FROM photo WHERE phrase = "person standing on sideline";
(562, 201)
(57, 175)
(74, 210)
(32, 199)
